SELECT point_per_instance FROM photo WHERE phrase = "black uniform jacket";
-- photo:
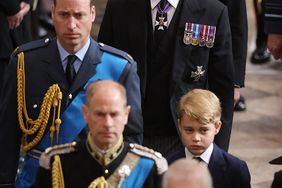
(80, 169)
(128, 30)
(43, 68)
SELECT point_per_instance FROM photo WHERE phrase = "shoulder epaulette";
(115, 51)
(31, 45)
(160, 161)
(45, 158)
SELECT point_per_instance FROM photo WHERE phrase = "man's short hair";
(109, 84)
(200, 105)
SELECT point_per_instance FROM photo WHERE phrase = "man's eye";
(78, 15)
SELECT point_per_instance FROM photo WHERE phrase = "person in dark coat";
(273, 27)
(44, 88)
(104, 159)
(15, 29)
(171, 65)
(199, 122)
(277, 181)
(237, 13)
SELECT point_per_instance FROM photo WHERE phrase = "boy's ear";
(217, 127)
(178, 123)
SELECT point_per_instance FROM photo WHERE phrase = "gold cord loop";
(52, 98)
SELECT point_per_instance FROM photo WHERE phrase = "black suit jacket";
(226, 170)
(43, 68)
(128, 30)
(239, 29)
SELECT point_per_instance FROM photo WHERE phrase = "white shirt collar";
(206, 156)
(154, 3)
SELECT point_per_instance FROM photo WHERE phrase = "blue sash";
(110, 68)
(139, 174)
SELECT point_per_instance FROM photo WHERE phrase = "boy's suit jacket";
(227, 171)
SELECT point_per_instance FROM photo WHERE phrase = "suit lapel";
(88, 66)
(54, 65)
(217, 167)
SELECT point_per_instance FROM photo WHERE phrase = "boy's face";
(195, 136)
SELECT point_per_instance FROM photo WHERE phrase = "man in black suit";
(45, 85)
(14, 30)
(171, 66)
(239, 29)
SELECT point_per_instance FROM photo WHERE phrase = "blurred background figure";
(273, 26)
(260, 55)
(42, 24)
(14, 30)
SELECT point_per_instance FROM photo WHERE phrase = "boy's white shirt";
(206, 156)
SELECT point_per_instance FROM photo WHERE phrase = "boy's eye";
(188, 130)
(204, 130)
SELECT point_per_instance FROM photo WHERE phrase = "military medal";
(161, 22)
(202, 40)
(196, 32)
(197, 74)
(211, 37)
(187, 38)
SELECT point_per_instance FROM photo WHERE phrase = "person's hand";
(274, 44)
(15, 20)
(236, 95)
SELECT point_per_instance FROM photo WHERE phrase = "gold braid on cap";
(57, 173)
(99, 182)
(52, 98)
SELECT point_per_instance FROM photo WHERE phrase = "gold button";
(70, 96)
(46, 40)
(35, 106)
(106, 171)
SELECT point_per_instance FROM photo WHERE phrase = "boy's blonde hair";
(200, 105)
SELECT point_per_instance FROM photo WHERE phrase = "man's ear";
(93, 13)
(127, 111)
(217, 127)
(84, 109)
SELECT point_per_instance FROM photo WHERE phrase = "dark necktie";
(70, 71)
(198, 159)
(161, 23)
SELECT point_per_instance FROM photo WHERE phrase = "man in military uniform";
(45, 85)
(178, 45)
(104, 158)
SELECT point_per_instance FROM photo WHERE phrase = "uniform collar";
(104, 157)
(154, 3)
(79, 54)
(206, 156)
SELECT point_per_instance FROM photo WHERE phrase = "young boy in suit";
(198, 123)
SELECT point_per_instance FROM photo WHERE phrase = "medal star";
(197, 74)
(161, 23)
